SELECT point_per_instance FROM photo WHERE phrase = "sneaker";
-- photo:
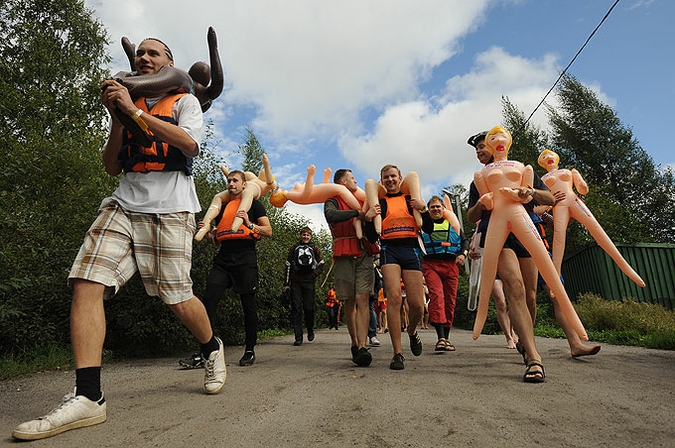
(248, 358)
(310, 337)
(374, 341)
(397, 362)
(196, 361)
(298, 342)
(415, 344)
(75, 411)
(363, 357)
(215, 371)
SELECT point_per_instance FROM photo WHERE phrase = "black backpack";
(305, 258)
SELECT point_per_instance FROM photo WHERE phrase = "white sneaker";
(215, 370)
(374, 341)
(76, 411)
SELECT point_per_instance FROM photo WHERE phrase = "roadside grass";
(56, 357)
(38, 360)
(613, 322)
(623, 322)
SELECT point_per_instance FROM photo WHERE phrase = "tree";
(630, 196)
(51, 54)
(528, 141)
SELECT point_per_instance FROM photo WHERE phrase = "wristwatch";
(251, 225)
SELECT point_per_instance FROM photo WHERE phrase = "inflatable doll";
(256, 186)
(450, 216)
(410, 186)
(573, 207)
(309, 193)
(498, 184)
(205, 82)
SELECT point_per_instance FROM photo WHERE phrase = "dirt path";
(314, 396)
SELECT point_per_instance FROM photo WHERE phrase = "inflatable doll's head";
(548, 160)
(278, 198)
(498, 140)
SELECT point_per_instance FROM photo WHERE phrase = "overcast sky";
(361, 83)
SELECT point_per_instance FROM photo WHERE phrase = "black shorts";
(409, 258)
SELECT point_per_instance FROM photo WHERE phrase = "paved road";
(314, 396)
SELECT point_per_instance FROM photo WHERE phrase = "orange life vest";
(331, 298)
(399, 222)
(223, 229)
(159, 156)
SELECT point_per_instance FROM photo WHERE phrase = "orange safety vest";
(331, 298)
(399, 222)
(159, 156)
(223, 229)
(345, 243)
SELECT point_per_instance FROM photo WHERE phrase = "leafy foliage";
(631, 198)
(50, 58)
(635, 195)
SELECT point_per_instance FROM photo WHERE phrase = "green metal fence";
(592, 270)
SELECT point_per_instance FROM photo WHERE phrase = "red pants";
(441, 277)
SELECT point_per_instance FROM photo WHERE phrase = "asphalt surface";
(314, 396)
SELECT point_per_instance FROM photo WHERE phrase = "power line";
(571, 62)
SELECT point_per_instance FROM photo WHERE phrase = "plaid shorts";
(158, 246)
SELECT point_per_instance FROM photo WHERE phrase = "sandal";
(449, 347)
(440, 345)
(534, 374)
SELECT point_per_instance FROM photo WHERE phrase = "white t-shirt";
(165, 191)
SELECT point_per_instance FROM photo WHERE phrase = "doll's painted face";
(498, 140)
(548, 160)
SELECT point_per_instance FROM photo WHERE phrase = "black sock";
(446, 332)
(88, 382)
(209, 347)
(440, 333)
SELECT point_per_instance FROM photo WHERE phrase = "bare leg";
(577, 346)
(350, 318)
(514, 289)
(502, 313)
(392, 284)
(530, 277)
(87, 323)
(414, 286)
(193, 315)
(362, 319)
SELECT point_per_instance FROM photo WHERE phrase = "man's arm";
(117, 96)
(264, 226)
(334, 215)
(541, 193)
(476, 208)
(259, 217)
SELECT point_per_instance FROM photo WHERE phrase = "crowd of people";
(384, 280)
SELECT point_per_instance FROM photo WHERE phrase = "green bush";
(627, 322)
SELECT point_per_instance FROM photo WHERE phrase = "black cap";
(474, 140)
